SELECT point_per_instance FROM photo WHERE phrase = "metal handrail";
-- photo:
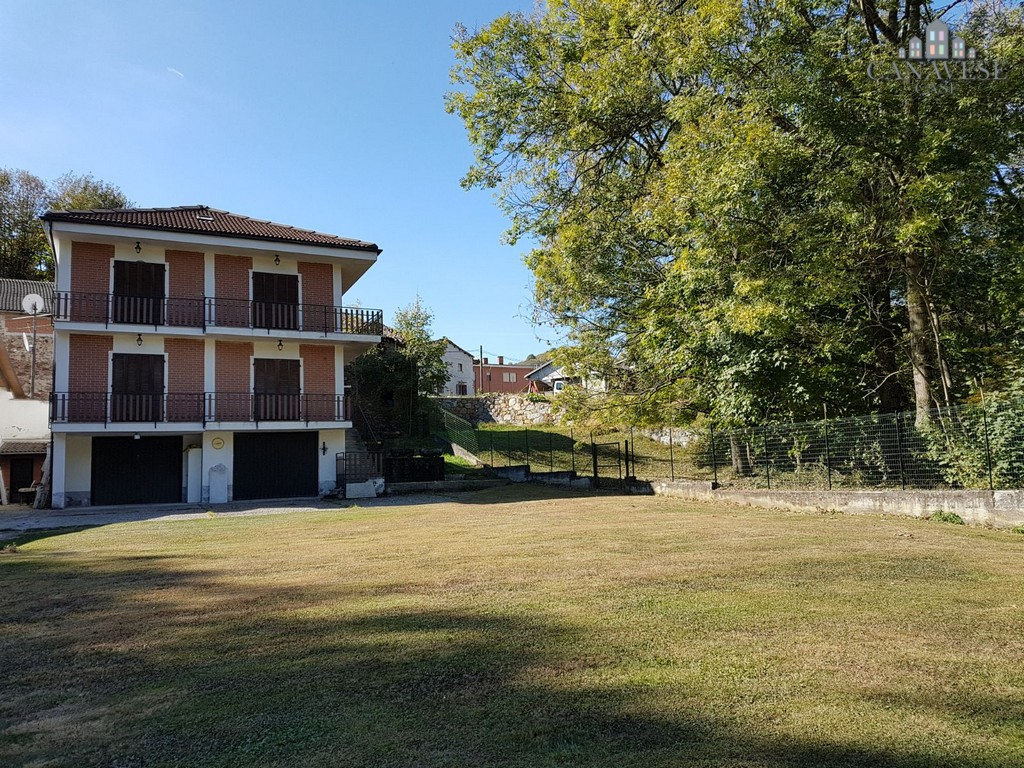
(208, 311)
(192, 407)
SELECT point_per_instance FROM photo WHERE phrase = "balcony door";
(275, 301)
(276, 389)
(137, 388)
(138, 293)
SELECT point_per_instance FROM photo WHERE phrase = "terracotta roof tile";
(202, 220)
(14, 446)
(13, 291)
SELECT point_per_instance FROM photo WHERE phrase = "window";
(275, 300)
(460, 388)
(276, 389)
(559, 386)
(137, 388)
(138, 293)
(460, 367)
(508, 378)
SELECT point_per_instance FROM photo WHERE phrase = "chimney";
(485, 361)
(501, 360)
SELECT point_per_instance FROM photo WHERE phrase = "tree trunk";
(920, 338)
(741, 463)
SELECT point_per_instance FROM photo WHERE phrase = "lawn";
(515, 627)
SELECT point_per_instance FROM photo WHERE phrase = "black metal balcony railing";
(197, 407)
(206, 312)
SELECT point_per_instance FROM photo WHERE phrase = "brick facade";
(233, 380)
(231, 286)
(318, 380)
(185, 378)
(187, 287)
(90, 274)
(88, 376)
(317, 295)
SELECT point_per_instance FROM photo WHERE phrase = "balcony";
(208, 312)
(104, 408)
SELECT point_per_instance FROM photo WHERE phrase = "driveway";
(16, 518)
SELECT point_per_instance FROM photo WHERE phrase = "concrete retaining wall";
(997, 509)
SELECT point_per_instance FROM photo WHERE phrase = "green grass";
(516, 627)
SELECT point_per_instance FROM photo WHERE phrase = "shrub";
(947, 517)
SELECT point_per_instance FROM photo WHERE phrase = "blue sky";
(324, 115)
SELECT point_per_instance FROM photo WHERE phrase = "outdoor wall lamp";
(138, 247)
(277, 260)
(138, 340)
(280, 345)
(323, 448)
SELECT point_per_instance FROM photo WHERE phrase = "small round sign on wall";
(217, 443)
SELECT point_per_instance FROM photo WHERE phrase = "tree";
(412, 323)
(24, 250)
(753, 224)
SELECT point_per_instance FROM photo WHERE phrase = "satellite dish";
(33, 304)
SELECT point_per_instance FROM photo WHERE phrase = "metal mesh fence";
(974, 446)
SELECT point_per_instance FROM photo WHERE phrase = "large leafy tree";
(413, 326)
(24, 197)
(727, 198)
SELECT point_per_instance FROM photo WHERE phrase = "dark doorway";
(137, 388)
(144, 470)
(22, 476)
(138, 293)
(276, 389)
(275, 301)
(275, 465)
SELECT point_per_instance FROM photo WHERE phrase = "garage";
(136, 470)
(275, 465)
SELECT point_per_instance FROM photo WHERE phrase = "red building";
(199, 355)
(501, 376)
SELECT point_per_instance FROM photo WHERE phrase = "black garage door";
(130, 471)
(275, 465)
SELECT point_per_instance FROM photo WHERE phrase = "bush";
(947, 517)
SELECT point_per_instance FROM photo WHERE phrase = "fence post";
(899, 450)
(828, 458)
(714, 456)
(572, 449)
(508, 456)
(593, 453)
(492, 449)
(631, 467)
(551, 452)
(767, 464)
(988, 450)
(527, 430)
(625, 456)
(671, 457)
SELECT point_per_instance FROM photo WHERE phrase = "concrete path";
(16, 518)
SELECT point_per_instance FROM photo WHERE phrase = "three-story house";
(199, 355)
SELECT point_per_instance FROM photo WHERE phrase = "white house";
(553, 377)
(460, 370)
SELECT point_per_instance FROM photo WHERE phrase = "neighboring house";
(501, 377)
(25, 384)
(551, 377)
(460, 370)
(199, 355)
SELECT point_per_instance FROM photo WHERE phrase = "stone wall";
(11, 329)
(499, 408)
